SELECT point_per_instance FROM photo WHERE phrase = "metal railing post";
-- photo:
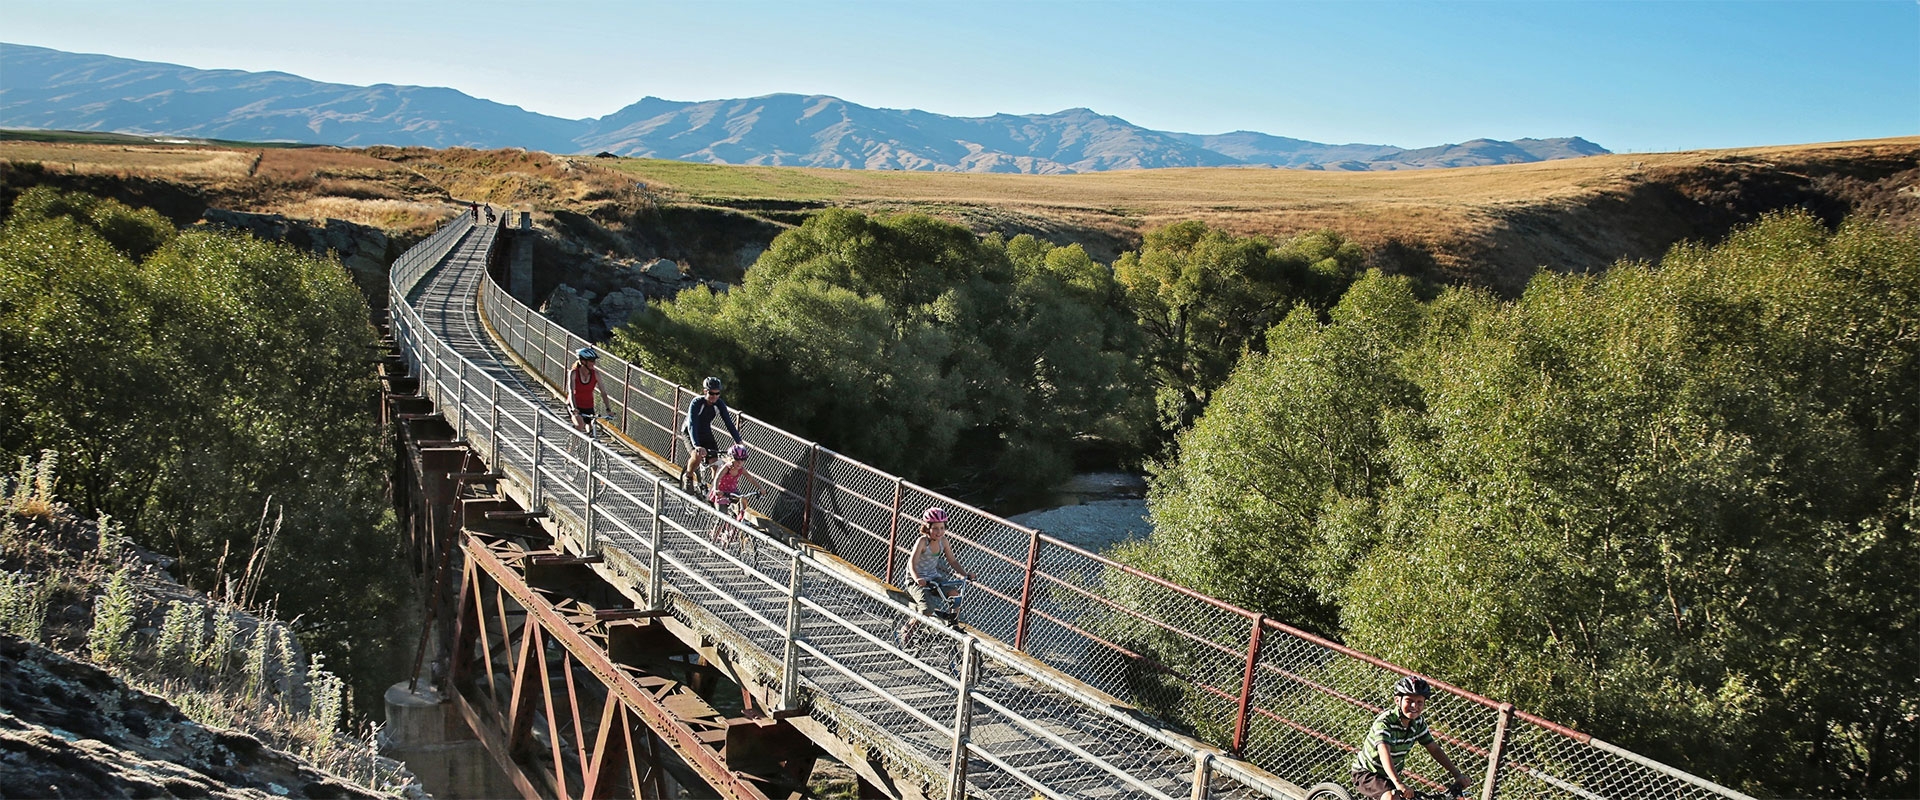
(654, 582)
(1497, 753)
(806, 507)
(673, 436)
(790, 661)
(587, 440)
(1026, 592)
(539, 501)
(962, 722)
(493, 427)
(1241, 723)
(1202, 775)
(626, 397)
(460, 403)
(893, 528)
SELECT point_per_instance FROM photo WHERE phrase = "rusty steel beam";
(698, 750)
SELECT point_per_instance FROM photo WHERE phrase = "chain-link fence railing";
(902, 682)
(1286, 701)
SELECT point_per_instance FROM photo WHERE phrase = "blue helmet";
(587, 353)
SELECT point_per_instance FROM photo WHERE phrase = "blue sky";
(1632, 76)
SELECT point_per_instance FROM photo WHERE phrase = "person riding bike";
(936, 574)
(726, 484)
(582, 379)
(699, 429)
(1376, 764)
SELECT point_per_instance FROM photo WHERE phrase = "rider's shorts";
(706, 442)
(1371, 785)
(932, 599)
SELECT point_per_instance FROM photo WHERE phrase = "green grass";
(724, 181)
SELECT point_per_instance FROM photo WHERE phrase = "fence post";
(673, 435)
(1202, 774)
(1240, 724)
(460, 403)
(962, 722)
(1498, 753)
(493, 428)
(893, 528)
(539, 501)
(654, 582)
(587, 439)
(790, 662)
(626, 396)
(1026, 592)
(806, 509)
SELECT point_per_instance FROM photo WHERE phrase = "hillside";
(1491, 226)
(54, 90)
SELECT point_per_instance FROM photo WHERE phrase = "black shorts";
(1371, 785)
(705, 442)
(585, 413)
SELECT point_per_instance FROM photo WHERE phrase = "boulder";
(664, 270)
(620, 306)
(569, 309)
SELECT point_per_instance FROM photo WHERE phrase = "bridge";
(589, 627)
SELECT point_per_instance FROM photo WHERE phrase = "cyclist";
(582, 379)
(699, 429)
(726, 484)
(936, 573)
(1376, 764)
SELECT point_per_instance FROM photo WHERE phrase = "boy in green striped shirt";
(1376, 764)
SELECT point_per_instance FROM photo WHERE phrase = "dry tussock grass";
(1426, 205)
(389, 215)
(157, 161)
(311, 162)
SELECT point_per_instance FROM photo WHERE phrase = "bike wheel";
(1328, 791)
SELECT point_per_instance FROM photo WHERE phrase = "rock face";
(69, 729)
(363, 250)
(568, 307)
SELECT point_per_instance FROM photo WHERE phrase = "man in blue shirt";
(699, 429)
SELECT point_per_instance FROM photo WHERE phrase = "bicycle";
(951, 614)
(1335, 791)
(733, 505)
(702, 478)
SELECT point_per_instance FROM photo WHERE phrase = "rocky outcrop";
(569, 307)
(70, 729)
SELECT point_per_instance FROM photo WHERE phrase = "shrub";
(112, 636)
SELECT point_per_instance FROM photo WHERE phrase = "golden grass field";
(1415, 204)
(1492, 224)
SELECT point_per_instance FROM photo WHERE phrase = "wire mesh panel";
(783, 463)
(1289, 702)
(853, 512)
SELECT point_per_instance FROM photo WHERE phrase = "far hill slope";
(54, 90)
(1489, 225)
(1492, 226)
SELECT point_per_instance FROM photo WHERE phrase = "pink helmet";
(738, 452)
(933, 515)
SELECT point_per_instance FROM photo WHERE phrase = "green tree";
(1673, 506)
(1203, 297)
(190, 379)
(912, 344)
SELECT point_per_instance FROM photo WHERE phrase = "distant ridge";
(50, 89)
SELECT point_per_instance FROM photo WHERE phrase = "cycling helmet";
(587, 353)
(1411, 685)
(711, 384)
(933, 515)
(738, 452)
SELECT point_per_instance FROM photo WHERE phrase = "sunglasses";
(713, 394)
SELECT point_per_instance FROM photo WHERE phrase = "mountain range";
(42, 88)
